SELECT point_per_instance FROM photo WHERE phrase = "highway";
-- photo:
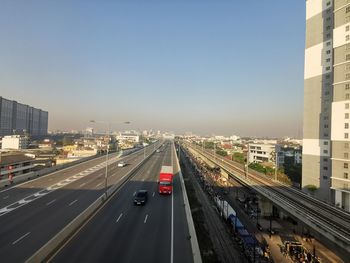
(122, 232)
(32, 213)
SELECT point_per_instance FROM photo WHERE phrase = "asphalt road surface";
(122, 232)
(32, 213)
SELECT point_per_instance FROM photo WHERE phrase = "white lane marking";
(134, 194)
(49, 203)
(145, 219)
(172, 229)
(119, 217)
(99, 184)
(153, 194)
(16, 241)
(82, 184)
(5, 197)
(73, 202)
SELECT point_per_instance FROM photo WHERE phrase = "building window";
(325, 135)
(325, 151)
(346, 125)
(347, 57)
(325, 177)
(325, 143)
(326, 93)
(346, 145)
(346, 155)
(325, 168)
(346, 166)
(328, 60)
(328, 43)
(329, 68)
(347, 86)
(346, 116)
(347, 10)
(325, 159)
(347, 38)
(346, 135)
(347, 28)
(347, 96)
(328, 3)
(346, 105)
(346, 175)
(328, 52)
(325, 118)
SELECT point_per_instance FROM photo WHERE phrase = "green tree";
(238, 157)
(67, 140)
(311, 188)
(221, 152)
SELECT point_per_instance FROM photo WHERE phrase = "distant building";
(261, 153)
(291, 153)
(15, 142)
(235, 138)
(130, 137)
(17, 118)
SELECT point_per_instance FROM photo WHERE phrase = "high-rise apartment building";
(17, 118)
(326, 160)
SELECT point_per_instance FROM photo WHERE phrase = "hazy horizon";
(184, 66)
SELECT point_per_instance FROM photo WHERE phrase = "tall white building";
(326, 162)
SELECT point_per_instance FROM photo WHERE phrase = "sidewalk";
(275, 252)
(326, 255)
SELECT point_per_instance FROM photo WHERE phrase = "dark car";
(141, 197)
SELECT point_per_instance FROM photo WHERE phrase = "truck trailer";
(166, 180)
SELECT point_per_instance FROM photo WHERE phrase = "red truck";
(166, 180)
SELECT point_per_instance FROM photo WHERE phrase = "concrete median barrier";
(59, 239)
(192, 231)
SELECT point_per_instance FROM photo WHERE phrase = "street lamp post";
(107, 148)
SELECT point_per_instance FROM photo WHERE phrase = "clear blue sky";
(211, 67)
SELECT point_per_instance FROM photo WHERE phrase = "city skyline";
(167, 66)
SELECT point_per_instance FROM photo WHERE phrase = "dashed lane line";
(120, 216)
(16, 241)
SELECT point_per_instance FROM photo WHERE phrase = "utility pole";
(247, 165)
(276, 162)
(270, 226)
(214, 151)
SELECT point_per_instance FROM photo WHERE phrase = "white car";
(121, 164)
